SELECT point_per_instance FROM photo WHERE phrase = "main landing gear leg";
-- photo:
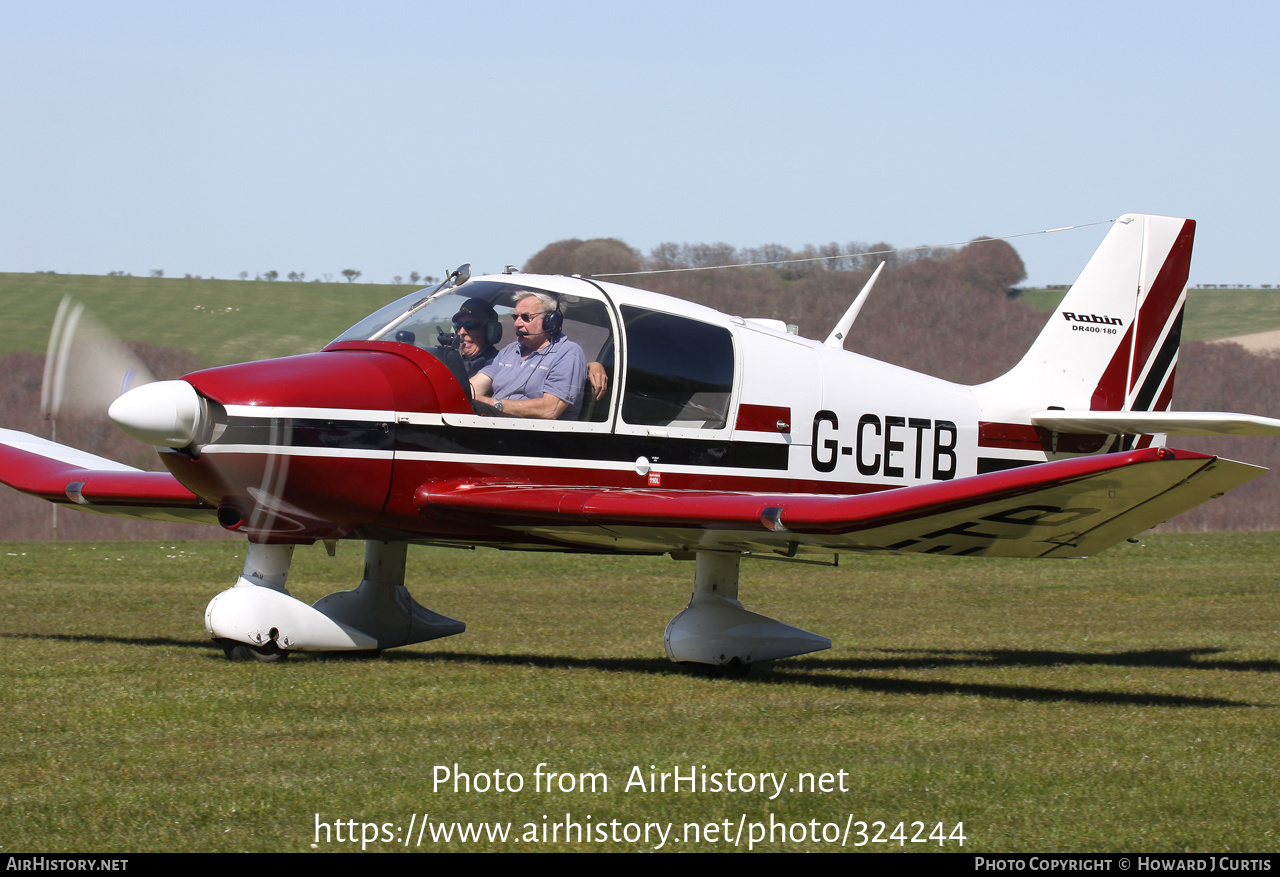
(382, 606)
(715, 629)
(258, 618)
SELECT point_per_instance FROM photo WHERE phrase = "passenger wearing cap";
(478, 333)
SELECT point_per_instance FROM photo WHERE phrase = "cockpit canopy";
(678, 373)
(425, 319)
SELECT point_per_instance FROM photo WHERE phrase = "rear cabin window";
(679, 371)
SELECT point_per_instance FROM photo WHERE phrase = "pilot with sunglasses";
(478, 331)
(541, 374)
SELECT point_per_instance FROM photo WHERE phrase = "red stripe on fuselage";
(1025, 437)
(762, 418)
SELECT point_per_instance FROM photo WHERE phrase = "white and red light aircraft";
(719, 438)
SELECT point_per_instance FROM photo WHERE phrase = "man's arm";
(549, 407)
(481, 384)
(599, 379)
(561, 388)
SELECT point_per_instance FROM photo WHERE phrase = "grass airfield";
(1126, 702)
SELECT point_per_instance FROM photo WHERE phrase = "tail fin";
(1112, 344)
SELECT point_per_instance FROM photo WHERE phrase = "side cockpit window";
(586, 322)
(679, 371)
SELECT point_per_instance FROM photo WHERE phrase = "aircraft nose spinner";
(166, 414)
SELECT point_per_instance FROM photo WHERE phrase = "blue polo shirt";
(473, 364)
(560, 369)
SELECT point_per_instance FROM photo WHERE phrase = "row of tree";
(351, 275)
(988, 263)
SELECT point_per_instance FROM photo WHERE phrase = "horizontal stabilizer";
(1068, 508)
(62, 474)
(1153, 422)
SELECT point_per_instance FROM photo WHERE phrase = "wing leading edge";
(66, 475)
(1068, 508)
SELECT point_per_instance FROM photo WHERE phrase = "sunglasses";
(470, 327)
(528, 318)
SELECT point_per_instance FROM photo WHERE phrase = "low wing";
(66, 475)
(1153, 422)
(1068, 508)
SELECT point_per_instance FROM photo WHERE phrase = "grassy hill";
(223, 321)
(1211, 313)
(218, 321)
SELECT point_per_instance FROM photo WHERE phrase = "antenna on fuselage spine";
(841, 331)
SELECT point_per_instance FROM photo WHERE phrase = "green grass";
(1211, 313)
(220, 321)
(1043, 299)
(1121, 703)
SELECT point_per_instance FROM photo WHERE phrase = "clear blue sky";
(214, 138)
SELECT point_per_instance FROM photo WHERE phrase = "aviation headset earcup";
(553, 322)
(493, 332)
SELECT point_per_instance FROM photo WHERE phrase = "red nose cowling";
(307, 451)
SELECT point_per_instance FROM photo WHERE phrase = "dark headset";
(553, 321)
(493, 331)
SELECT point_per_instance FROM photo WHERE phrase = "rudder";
(1112, 344)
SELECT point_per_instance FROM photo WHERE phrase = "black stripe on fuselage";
(431, 439)
(337, 434)
(1000, 464)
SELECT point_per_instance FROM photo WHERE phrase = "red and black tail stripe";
(1140, 373)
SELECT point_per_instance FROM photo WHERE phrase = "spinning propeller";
(89, 370)
(86, 367)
